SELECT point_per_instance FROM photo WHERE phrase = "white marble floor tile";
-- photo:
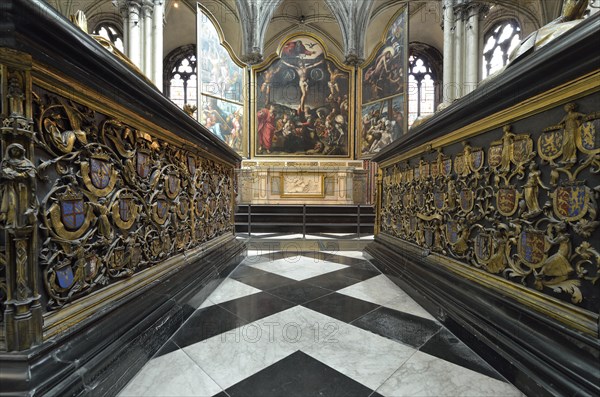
(228, 290)
(298, 267)
(404, 303)
(173, 374)
(308, 327)
(235, 355)
(378, 289)
(382, 291)
(426, 375)
(363, 356)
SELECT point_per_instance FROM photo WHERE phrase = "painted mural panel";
(382, 92)
(221, 86)
(382, 122)
(383, 76)
(225, 120)
(302, 102)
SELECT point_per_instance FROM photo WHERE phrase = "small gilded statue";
(531, 190)
(18, 206)
(570, 124)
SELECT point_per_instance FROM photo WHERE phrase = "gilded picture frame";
(222, 95)
(303, 102)
(382, 84)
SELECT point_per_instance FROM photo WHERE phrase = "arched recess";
(314, 17)
(529, 19)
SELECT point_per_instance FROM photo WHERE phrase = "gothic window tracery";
(181, 81)
(110, 32)
(424, 64)
(499, 42)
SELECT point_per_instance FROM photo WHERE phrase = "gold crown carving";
(70, 195)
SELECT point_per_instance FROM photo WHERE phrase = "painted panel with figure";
(222, 85)
(383, 76)
(382, 122)
(224, 119)
(302, 102)
(382, 90)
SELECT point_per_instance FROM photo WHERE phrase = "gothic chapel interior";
(299, 197)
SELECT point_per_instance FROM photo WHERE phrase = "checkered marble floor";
(314, 324)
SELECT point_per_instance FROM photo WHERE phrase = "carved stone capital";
(252, 58)
(353, 59)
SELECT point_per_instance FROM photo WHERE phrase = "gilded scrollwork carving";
(525, 211)
(117, 200)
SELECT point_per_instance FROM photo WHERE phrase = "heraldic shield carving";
(570, 201)
(483, 247)
(532, 247)
(172, 185)
(114, 200)
(467, 200)
(528, 212)
(99, 175)
(452, 232)
(64, 277)
(507, 200)
(160, 209)
(477, 159)
(143, 163)
(124, 210)
(70, 216)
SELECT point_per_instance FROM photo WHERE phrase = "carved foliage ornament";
(525, 211)
(117, 200)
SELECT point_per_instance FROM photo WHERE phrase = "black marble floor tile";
(299, 292)
(256, 306)
(197, 300)
(448, 347)
(340, 306)
(259, 278)
(206, 323)
(167, 348)
(222, 394)
(402, 327)
(332, 281)
(359, 274)
(298, 375)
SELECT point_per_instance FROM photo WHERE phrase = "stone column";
(124, 10)
(472, 53)
(459, 52)
(134, 33)
(448, 89)
(23, 320)
(157, 41)
(147, 37)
